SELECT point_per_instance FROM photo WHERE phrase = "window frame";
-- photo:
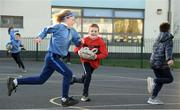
(12, 23)
(113, 17)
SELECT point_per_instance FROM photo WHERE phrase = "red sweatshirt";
(100, 45)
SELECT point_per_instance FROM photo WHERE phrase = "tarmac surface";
(111, 88)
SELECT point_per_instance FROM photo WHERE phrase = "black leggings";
(163, 76)
(17, 58)
(88, 70)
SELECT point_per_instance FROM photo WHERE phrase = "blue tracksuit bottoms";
(52, 63)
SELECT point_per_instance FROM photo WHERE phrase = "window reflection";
(15, 21)
(78, 24)
(115, 30)
(107, 38)
(105, 25)
(128, 30)
(77, 12)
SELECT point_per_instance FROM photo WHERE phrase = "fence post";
(37, 50)
(142, 43)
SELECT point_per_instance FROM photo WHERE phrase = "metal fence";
(137, 53)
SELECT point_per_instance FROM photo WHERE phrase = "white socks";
(63, 99)
(15, 82)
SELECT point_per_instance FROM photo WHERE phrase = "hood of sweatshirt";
(164, 36)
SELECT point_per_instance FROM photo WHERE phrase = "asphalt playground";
(111, 88)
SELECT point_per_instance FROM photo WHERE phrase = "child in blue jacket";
(16, 47)
(62, 35)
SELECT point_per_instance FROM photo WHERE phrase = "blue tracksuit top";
(12, 34)
(15, 43)
(60, 39)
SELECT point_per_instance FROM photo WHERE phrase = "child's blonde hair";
(59, 17)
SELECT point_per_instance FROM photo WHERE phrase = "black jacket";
(162, 50)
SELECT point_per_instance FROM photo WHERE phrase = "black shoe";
(11, 86)
(69, 102)
(73, 80)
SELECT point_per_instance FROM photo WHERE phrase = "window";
(78, 24)
(98, 13)
(77, 13)
(107, 38)
(129, 14)
(128, 31)
(15, 21)
(105, 25)
(117, 26)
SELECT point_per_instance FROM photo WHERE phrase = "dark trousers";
(52, 63)
(163, 76)
(17, 58)
(86, 78)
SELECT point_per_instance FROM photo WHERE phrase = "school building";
(127, 26)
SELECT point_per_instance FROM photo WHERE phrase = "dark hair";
(94, 25)
(18, 34)
(9, 29)
(164, 27)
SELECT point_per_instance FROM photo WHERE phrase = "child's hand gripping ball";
(86, 53)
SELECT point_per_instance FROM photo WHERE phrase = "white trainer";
(154, 101)
(150, 85)
(85, 99)
(24, 70)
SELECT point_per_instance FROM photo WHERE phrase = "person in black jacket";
(160, 61)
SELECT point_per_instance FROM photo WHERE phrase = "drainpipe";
(169, 12)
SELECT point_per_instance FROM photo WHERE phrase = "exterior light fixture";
(159, 11)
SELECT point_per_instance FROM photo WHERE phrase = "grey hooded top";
(162, 50)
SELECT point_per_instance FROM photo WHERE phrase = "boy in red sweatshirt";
(94, 42)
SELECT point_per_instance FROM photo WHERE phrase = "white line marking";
(127, 105)
(7, 75)
(108, 80)
(122, 105)
(73, 107)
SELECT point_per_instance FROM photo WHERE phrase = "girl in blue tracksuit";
(16, 47)
(62, 35)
